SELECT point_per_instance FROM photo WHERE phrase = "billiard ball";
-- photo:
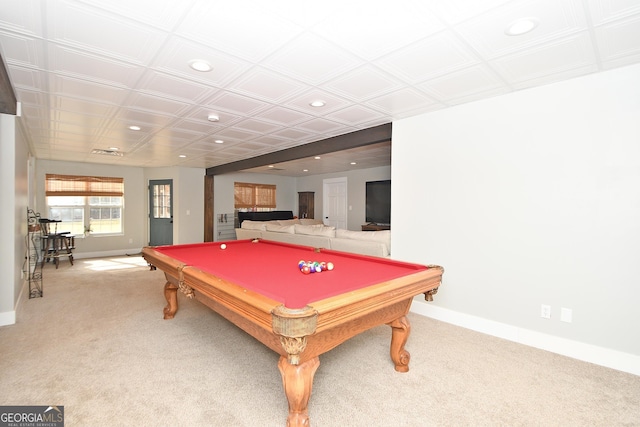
(223, 246)
(329, 266)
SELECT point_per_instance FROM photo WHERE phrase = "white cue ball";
(223, 246)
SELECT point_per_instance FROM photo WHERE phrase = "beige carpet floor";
(97, 344)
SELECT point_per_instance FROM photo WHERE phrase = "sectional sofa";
(310, 232)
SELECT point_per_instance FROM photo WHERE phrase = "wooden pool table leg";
(400, 329)
(297, 381)
(171, 295)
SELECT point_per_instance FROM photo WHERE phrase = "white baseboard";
(613, 359)
(120, 252)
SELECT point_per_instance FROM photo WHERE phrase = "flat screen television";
(378, 202)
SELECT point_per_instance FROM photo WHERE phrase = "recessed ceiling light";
(134, 127)
(305, 170)
(317, 157)
(218, 141)
(182, 156)
(213, 117)
(353, 163)
(200, 65)
(271, 166)
(317, 103)
(521, 26)
(114, 148)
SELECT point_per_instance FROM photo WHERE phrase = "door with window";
(161, 212)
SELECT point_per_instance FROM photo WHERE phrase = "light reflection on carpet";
(114, 263)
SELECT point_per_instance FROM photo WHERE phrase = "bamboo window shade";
(78, 185)
(247, 195)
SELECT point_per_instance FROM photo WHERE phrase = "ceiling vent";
(108, 152)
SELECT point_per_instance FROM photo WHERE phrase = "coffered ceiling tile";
(464, 85)
(26, 19)
(80, 106)
(144, 119)
(311, 59)
(364, 83)
(284, 116)
(226, 101)
(75, 25)
(619, 42)
(369, 32)
(320, 125)
(557, 18)
(400, 101)
(163, 14)
(436, 55)
(267, 85)
(239, 135)
(294, 134)
(20, 50)
(244, 30)
(75, 63)
(202, 126)
(257, 126)
(173, 87)
(302, 102)
(604, 11)
(82, 89)
(572, 56)
(177, 53)
(455, 11)
(156, 104)
(26, 79)
(356, 115)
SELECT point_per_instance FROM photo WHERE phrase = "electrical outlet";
(545, 311)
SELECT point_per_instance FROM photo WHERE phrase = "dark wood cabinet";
(375, 227)
(305, 204)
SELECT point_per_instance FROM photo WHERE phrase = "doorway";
(334, 202)
(160, 212)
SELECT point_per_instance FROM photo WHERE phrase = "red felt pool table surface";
(271, 268)
(258, 286)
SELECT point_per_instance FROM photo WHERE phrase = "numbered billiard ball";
(223, 246)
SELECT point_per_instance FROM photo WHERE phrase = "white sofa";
(313, 233)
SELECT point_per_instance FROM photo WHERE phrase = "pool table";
(258, 286)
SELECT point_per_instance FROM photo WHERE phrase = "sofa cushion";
(315, 230)
(310, 221)
(247, 224)
(287, 221)
(364, 247)
(381, 236)
(277, 228)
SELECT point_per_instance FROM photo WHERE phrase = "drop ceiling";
(84, 71)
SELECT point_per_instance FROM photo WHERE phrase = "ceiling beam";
(8, 102)
(355, 139)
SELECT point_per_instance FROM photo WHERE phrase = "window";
(86, 203)
(254, 196)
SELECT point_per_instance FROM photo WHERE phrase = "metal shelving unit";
(225, 225)
(34, 256)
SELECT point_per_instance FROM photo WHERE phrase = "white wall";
(526, 199)
(14, 153)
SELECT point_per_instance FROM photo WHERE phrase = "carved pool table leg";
(297, 381)
(400, 329)
(171, 295)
